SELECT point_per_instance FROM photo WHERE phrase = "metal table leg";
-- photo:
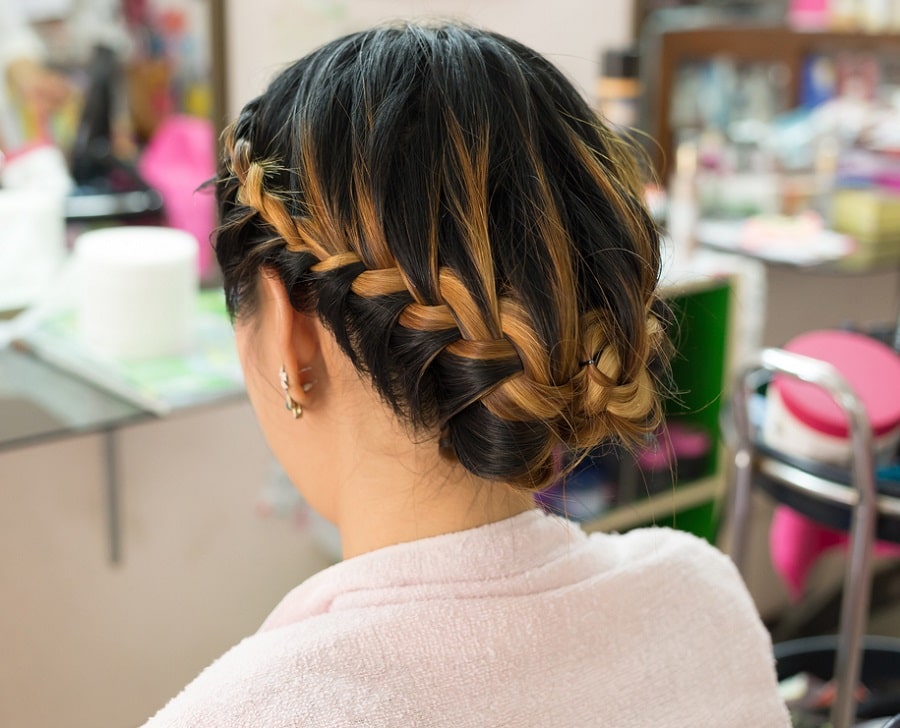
(113, 515)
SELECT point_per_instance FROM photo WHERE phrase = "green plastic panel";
(699, 365)
(702, 521)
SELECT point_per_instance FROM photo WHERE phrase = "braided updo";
(453, 212)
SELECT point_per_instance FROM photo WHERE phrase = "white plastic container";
(136, 291)
(802, 420)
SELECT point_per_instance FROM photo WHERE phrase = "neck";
(394, 503)
(386, 485)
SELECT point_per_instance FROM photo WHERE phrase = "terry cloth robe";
(527, 622)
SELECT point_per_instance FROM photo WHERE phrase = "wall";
(801, 301)
(87, 644)
(265, 34)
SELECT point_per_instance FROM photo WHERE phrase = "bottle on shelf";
(683, 207)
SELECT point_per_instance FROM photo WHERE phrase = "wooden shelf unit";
(741, 43)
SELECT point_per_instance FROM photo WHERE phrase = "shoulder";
(227, 693)
(686, 575)
(322, 672)
(673, 551)
(686, 597)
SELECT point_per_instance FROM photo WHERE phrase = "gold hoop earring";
(295, 408)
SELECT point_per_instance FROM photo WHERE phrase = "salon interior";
(145, 527)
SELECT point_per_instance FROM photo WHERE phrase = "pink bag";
(178, 159)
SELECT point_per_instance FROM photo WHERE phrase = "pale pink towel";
(525, 622)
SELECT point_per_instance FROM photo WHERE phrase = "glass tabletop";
(40, 402)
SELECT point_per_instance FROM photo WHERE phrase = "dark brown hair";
(474, 237)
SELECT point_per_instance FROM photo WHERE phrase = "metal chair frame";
(864, 501)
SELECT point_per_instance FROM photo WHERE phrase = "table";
(40, 403)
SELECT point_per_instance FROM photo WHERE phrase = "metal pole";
(858, 575)
(739, 517)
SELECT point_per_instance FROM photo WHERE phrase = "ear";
(296, 335)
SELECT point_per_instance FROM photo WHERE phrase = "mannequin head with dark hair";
(445, 252)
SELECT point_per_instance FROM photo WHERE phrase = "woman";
(442, 277)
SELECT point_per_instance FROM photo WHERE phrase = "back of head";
(474, 238)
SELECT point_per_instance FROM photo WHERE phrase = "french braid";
(506, 373)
